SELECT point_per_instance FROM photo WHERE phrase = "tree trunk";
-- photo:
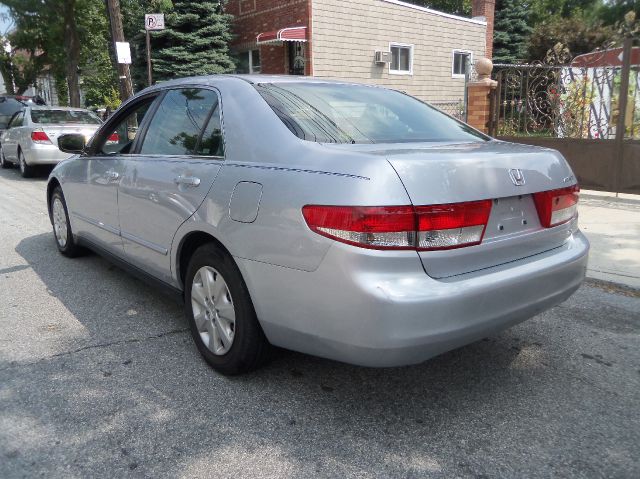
(6, 69)
(72, 47)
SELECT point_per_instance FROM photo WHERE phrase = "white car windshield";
(49, 117)
(339, 113)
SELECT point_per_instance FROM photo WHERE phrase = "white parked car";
(31, 136)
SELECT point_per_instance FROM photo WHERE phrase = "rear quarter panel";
(293, 173)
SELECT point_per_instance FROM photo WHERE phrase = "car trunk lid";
(55, 131)
(507, 174)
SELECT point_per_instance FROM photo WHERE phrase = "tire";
(212, 306)
(3, 161)
(62, 227)
(26, 170)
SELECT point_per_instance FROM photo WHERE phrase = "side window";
(120, 138)
(176, 126)
(212, 143)
(18, 120)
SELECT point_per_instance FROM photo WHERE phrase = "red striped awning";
(290, 34)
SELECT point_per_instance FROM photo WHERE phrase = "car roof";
(251, 78)
(63, 108)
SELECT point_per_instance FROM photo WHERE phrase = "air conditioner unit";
(383, 57)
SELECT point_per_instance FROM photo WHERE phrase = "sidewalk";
(613, 228)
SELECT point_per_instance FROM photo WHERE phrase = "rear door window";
(212, 143)
(17, 120)
(8, 107)
(176, 126)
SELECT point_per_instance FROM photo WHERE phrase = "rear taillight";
(453, 225)
(377, 227)
(402, 227)
(113, 138)
(39, 137)
(557, 206)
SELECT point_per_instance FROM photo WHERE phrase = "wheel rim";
(60, 223)
(213, 310)
(23, 165)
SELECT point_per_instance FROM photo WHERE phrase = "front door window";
(119, 139)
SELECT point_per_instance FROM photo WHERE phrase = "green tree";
(455, 7)
(133, 12)
(65, 37)
(194, 42)
(511, 31)
(575, 33)
(32, 40)
(545, 10)
(97, 71)
(612, 12)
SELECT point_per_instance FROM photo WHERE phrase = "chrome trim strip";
(98, 224)
(298, 170)
(147, 244)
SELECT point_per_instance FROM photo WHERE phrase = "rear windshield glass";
(338, 113)
(8, 106)
(47, 117)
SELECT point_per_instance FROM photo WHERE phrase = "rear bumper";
(44, 155)
(361, 308)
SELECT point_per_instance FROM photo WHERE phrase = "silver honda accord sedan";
(341, 220)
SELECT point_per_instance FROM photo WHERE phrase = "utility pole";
(117, 35)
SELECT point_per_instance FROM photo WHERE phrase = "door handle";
(112, 175)
(187, 181)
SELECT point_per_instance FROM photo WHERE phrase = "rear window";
(48, 117)
(338, 113)
(8, 107)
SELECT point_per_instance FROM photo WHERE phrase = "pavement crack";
(98, 346)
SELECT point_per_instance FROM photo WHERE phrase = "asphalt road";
(98, 377)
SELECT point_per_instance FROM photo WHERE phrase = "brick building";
(387, 42)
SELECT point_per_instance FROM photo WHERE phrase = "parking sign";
(154, 21)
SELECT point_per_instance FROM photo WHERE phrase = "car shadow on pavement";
(127, 391)
(13, 173)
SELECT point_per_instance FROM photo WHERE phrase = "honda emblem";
(516, 176)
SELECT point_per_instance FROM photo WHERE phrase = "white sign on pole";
(154, 21)
(123, 52)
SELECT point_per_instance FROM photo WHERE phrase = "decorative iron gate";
(588, 108)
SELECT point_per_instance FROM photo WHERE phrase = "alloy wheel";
(213, 310)
(60, 222)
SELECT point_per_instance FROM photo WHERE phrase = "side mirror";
(72, 143)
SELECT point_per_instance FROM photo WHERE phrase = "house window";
(401, 59)
(459, 66)
(248, 62)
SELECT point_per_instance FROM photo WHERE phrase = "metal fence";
(588, 108)
(580, 99)
(455, 108)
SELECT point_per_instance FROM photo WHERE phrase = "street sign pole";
(149, 74)
(152, 21)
